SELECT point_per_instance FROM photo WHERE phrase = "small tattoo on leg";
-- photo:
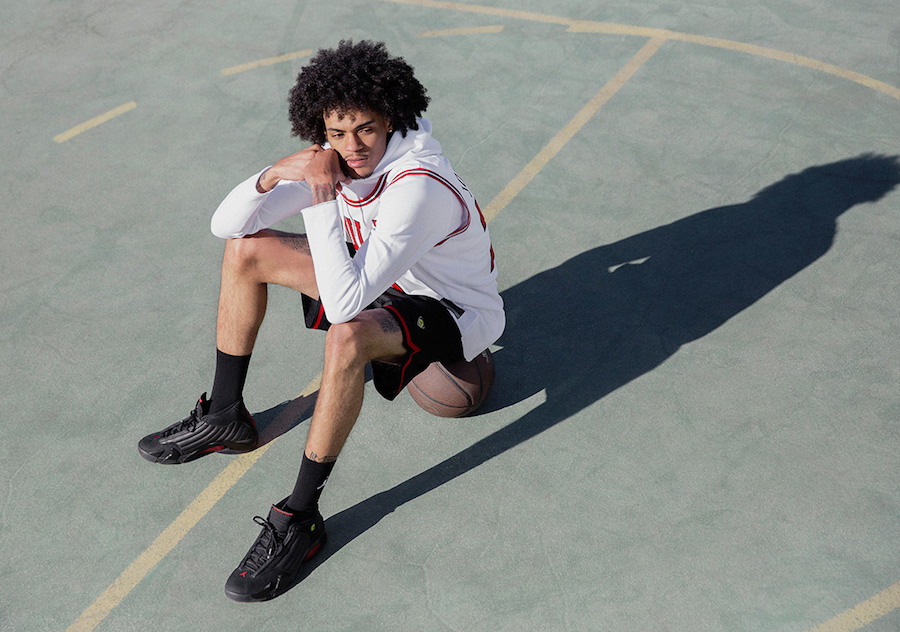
(389, 324)
(312, 456)
(296, 242)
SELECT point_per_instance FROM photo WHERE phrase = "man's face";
(360, 137)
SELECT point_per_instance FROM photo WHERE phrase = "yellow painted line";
(266, 62)
(572, 127)
(94, 122)
(472, 30)
(474, 8)
(608, 28)
(865, 613)
(173, 534)
(791, 58)
(165, 542)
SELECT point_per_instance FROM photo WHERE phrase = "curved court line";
(474, 8)
(233, 70)
(608, 28)
(94, 122)
(201, 505)
(471, 30)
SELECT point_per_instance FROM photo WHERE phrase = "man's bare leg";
(373, 335)
(249, 265)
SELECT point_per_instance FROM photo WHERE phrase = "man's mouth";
(356, 161)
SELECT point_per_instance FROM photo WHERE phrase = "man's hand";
(325, 175)
(292, 167)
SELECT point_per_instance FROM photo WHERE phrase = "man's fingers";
(326, 166)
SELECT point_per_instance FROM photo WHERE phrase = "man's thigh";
(280, 258)
(429, 334)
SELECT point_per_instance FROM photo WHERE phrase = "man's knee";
(244, 254)
(348, 341)
(240, 253)
(271, 257)
(363, 339)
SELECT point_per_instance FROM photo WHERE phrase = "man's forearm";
(323, 193)
(264, 184)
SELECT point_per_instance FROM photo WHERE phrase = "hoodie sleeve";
(416, 213)
(246, 211)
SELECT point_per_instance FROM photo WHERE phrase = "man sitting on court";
(396, 265)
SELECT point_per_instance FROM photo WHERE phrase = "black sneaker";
(200, 433)
(273, 562)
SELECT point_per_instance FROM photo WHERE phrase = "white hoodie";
(415, 224)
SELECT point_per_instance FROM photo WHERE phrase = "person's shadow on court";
(609, 315)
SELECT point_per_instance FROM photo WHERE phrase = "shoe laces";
(268, 544)
(188, 424)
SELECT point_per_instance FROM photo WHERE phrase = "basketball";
(455, 389)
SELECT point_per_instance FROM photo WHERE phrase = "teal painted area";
(695, 420)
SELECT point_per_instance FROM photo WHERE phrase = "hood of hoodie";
(417, 144)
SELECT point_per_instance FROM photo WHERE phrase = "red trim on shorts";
(320, 316)
(408, 340)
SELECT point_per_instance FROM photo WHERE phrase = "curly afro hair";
(351, 77)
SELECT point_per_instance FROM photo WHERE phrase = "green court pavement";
(694, 426)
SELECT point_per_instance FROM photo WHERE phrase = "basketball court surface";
(695, 425)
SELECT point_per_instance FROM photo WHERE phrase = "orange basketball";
(454, 389)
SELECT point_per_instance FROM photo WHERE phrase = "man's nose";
(353, 142)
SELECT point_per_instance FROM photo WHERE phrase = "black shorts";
(429, 331)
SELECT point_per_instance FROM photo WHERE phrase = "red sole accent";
(313, 551)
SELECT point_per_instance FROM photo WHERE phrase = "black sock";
(228, 384)
(310, 482)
